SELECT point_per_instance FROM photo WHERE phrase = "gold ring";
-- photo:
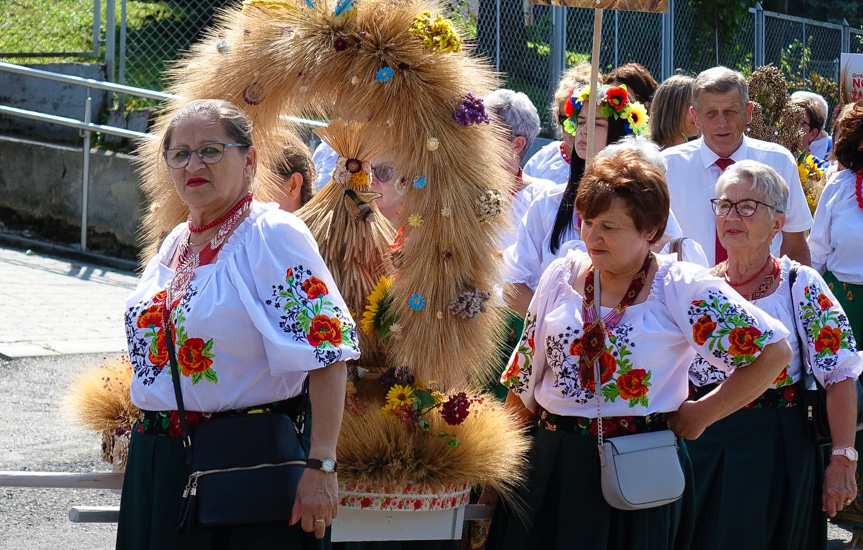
(847, 502)
(320, 520)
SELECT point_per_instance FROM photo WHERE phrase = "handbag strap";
(676, 247)
(175, 377)
(597, 378)
(806, 373)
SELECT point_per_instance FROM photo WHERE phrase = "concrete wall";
(39, 180)
(50, 97)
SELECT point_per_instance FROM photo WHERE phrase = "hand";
(840, 487)
(317, 502)
(688, 421)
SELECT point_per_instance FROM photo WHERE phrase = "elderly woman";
(254, 313)
(837, 251)
(650, 306)
(671, 122)
(517, 115)
(758, 477)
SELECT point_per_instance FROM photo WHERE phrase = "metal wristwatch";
(327, 464)
(848, 452)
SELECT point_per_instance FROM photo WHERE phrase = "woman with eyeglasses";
(760, 482)
(384, 182)
(253, 313)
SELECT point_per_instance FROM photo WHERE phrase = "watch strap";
(316, 464)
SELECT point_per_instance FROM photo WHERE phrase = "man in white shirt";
(721, 107)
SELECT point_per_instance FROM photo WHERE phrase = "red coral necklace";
(245, 200)
(563, 152)
(765, 283)
(858, 191)
(188, 260)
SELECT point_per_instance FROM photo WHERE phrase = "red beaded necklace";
(859, 191)
(747, 281)
(563, 152)
(188, 260)
(765, 283)
(242, 204)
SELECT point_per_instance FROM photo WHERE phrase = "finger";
(308, 522)
(320, 527)
(296, 513)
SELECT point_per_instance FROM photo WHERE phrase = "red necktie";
(720, 253)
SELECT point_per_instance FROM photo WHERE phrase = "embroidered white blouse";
(531, 253)
(647, 355)
(250, 325)
(548, 164)
(835, 242)
(819, 318)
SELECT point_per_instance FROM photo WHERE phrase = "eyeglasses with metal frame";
(210, 153)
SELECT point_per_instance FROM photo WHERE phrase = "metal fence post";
(758, 51)
(557, 42)
(85, 171)
(110, 39)
(845, 47)
(668, 41)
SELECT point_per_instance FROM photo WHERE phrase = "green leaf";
(424, 400)
(421, 421)
(210, 375)
(208, 347)
(610, 392)
(197, 377)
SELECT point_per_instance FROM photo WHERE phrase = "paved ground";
(50, 306)
(57, 318)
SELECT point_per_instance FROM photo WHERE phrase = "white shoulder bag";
(640, 470)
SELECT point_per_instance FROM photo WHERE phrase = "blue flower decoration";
(384, 75)
(417, 302)
(345, 6)
(420, 182)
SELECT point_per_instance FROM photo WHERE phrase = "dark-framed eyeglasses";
(805, 123)
(210, 153)
(383, 173)
(744, 208)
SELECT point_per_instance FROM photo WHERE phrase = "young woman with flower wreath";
(837, 251)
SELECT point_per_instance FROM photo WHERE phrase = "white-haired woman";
(760, 482)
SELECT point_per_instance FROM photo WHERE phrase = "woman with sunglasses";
(760, 482)
(384, 182)
(252, 313)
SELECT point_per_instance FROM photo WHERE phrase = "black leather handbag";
(242, 469)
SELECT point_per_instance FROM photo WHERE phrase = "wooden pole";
(594, 77)
(95, 480)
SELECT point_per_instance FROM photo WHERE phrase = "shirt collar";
(708, 157)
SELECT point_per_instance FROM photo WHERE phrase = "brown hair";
(626, 176)
(719, 80)
(850, 137)
(572, 79)
(295, 157)
(637, 78)
(814, 111)
(670, 104)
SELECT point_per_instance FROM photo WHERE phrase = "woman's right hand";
(689, 420)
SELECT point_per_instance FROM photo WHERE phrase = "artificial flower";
(400, 395)
(446, 212)
(432, 144)
(617, 98)
(415, 220)
(416, 302)
(437, 34)
(374, 301)
(384, 75)
(419, 182)
(470, 110)
(456, 409)
(637, 118)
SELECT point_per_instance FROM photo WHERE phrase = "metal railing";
(87, 126)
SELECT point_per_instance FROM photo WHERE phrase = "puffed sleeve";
(820, 245)
(291, 297)
(726, 330)
(524, 257)
(528, 361)
(825, 329)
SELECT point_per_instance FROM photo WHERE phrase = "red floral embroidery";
(607, 365)
(314, 288)
(174, 429)
(702, 329)
(742, 341)
(783, 376)
(829, 338)
(631, 384)
(160, 358)
(824, 302)
(159, 298)
(289, 273)
(513, 370)
(575, 347)
(191, 358)
(366, 502)
(151, 317)
(325, 329)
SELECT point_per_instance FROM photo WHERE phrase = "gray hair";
(643, 147)
(816, 98)
(765, 181)
(516, 112)
(719, 80)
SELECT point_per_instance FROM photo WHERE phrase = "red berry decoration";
(456, 409)
(858, 190)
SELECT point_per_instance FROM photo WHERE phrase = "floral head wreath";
(612, 102)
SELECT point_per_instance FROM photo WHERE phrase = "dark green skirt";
(566, 510)
(850, 296)
(758, 483)
(156, 475)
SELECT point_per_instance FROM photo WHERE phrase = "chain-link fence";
(515, 35)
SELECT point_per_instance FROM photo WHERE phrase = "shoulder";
(682, 152)
(272, 227)
(537, 187)
(758, 150)
(547, 150)
(806, 275)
